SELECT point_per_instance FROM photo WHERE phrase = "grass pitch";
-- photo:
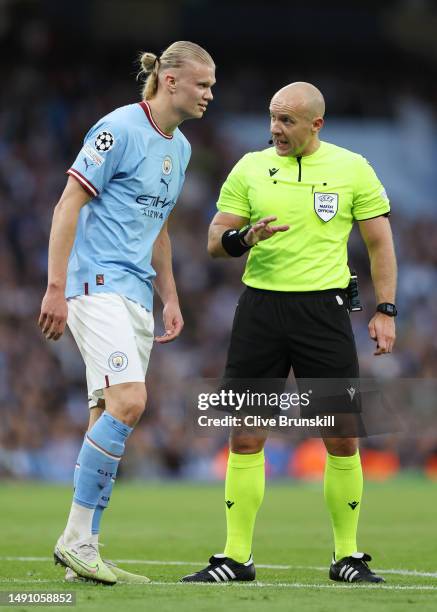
(168, 530)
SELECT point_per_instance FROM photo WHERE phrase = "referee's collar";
(311, 156)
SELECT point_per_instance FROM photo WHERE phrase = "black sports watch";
(388, 309)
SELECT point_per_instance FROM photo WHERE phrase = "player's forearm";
(383, 269)
(61, 241)
(162, 264)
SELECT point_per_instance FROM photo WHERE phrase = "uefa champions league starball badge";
(104, 141)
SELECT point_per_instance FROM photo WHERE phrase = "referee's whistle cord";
(299, 160)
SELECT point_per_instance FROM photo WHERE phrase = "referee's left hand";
(382, 330)
(262, 230)
(173, 323)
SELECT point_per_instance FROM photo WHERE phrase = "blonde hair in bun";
(173, 57)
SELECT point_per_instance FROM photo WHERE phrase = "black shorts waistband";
(296, 293)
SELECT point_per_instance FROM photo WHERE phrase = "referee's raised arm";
(231, 235)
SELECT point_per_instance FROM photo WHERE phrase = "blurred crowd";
(43, 402)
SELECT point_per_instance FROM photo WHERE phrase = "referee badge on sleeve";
(325, 205)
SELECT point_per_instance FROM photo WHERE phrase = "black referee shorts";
(309, 332)
(274, 331)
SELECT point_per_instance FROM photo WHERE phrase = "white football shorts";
(115, 337)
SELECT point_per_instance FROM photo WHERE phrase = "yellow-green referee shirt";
(319, 196)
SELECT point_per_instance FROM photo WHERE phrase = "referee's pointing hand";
(262, 230)
(382, 331)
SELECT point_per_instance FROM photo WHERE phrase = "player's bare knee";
(127, 403)
(129, 411)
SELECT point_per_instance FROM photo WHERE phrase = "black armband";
(233, 241)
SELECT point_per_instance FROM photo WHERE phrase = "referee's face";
(293, 131)
(192, 92)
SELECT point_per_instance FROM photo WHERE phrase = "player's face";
(291, 127)
(193, 87)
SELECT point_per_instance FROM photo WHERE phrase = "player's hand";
(54, 311)
(382, 330)
(262, 230)
(173, 323)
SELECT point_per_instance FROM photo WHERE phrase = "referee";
(292, 207)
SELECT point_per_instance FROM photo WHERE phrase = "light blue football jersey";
(134, 173)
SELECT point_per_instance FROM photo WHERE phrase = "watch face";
(388, 309)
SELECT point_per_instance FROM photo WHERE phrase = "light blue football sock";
(99, 457)
(101, 505)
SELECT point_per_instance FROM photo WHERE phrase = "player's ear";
(170, 82)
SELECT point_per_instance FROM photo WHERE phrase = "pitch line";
(254, 585)
(395, 572)
(302, 585)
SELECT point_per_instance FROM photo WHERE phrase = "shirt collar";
(146, 108)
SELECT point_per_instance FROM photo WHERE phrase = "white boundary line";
(396, 572)
(254, 585)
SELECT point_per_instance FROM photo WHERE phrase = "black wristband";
(388, 309)
(233, 241)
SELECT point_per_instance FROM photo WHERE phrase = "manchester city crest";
(325, 205)
(167, 165)
(118, 361)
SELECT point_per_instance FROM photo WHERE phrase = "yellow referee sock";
(244, 492)
(343, 492)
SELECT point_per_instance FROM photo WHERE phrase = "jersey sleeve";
(370, 199)
(187, 157)
(233, 196)
(99, 157)
(185, 160)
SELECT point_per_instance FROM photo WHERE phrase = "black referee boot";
(353, 569)
(223, 569)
